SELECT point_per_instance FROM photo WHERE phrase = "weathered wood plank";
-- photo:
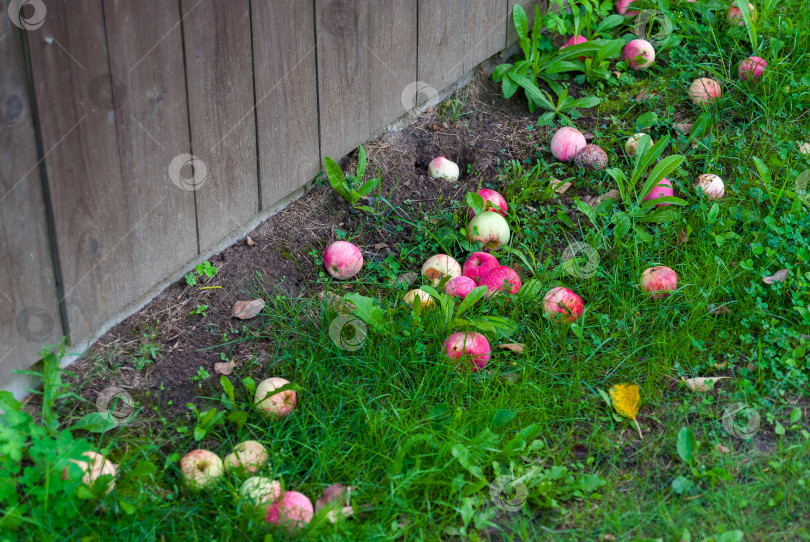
(441, 42)
(94, 207)
(484, 30)
(529, 6)
(284, 64)
(217, 39)
(29, 312)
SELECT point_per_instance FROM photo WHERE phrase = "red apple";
(292, 511)
(659, 281)
(704, 90)
(501, 279)
(342, 260)
(493, 201)
(273, 404)
(478, 264)
(566, 142)
(734, 15)
(621, 8)
(575, 40)
(562, 305)
(639, 54)
(752, 68)
(440, 266)
(661, 190)
(469, 347)
(460, 287)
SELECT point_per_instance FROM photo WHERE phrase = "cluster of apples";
(289, 509)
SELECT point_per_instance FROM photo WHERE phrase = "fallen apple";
(439, 266)
(752, 68)
(489, 228)
(424, 298)
(292, 511)
(259, 490)
(493, 201)
(336, 493)
(575, 40)
(621, 8)
(659, 281)
(591, 157)
(661, 190)
(93, 468)
(201, 468)
(442, 168)
(566, 142)
(249, 455)
(804, 148)
(562, 305)
(711, 185)
(275, 404)
(478, 264)
(639, 54)
(342, 260)
(704, 90)
(460, 287)
(470, 348)
(631, 145)
(735, 17)
(501, 279)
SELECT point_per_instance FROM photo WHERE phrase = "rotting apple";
(478, 264)
(562, 305)
(591, 157)
(470, 348)
(501, 279)
(424, 298)
(275, 404)
(201, 468)
(659, 281)
(711, 185)
(249, 455)
(343, 260)
(439, 266)
(442, 168)
(489, 228)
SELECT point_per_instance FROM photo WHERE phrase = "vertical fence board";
(441, 42)
(529, 6)
(29, 312)
(284, 66)
(484, 30)
(91, 201)
(146, 54)
(220, 102)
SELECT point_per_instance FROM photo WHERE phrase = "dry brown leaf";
(626, 399)
(779, 276)
(250, 242)
(588, 136)
(559, 186)
(719, 310)
(702, 383)
(380, 246)
(608, 537)
(245, 310)
(682, 237)
(514, 347)
(336, 493)
(224, 367)
(722, 449)
(610, 194)
(336, 302)
(684, 127)
(407, 278)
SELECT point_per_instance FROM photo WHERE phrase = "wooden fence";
(137, 135)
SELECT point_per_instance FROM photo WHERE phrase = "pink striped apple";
(659, 281)
(639, 54)
(478, 264)
(470, 348)
(661, 190)
(562, 305)
(752, 68)
(342, 260)
(460, 287)
(566, 142)
(501, 279)
(493, 201)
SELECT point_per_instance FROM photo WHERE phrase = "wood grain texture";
(146, 54)
(284, 63)
(441, 42)
(484, 30)
(529, 6)
(219, 68)
(29, 312)
(92, 203)
(366, 60)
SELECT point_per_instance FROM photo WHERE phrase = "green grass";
(423, 443)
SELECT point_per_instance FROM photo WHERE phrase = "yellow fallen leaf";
(625, 399)
(702, 383)
(514, 347)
